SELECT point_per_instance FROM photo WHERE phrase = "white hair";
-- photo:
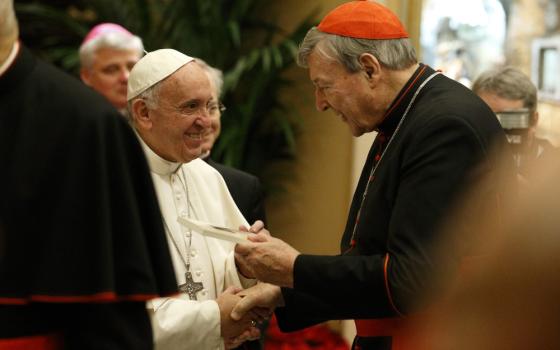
(111, 40)
(214, 74)
(150, 96)
(393, 54)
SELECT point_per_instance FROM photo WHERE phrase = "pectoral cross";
(191, 287)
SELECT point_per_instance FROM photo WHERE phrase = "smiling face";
(350, 95)
(109, 73)
(174, 128)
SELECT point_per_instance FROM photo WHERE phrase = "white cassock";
(178, 322)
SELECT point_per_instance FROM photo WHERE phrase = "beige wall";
(312, 215)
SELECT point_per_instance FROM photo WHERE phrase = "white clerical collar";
(158, 164)
(11, 58)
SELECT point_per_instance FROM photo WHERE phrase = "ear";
(140, 114)
(371, 66)
(535, 119)
(85, 75)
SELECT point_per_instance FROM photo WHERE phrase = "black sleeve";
(257, 194)
(435, 165)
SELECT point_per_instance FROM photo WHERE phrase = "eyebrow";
(188, 102)
(319, 80)
(194, 100)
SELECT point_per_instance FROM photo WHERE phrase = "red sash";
(36, 342)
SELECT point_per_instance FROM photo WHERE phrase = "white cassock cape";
(180, 323)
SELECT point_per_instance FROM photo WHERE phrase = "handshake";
(269, 260)
(242, 310)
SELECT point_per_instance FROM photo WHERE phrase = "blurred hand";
(266, 258)
(261, 300)
(255, 228)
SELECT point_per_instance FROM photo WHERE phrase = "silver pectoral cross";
(191, 287)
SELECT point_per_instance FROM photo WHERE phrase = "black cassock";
(82, 241)
(245, 189)
(441, 148)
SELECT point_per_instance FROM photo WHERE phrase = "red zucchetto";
(363, 19)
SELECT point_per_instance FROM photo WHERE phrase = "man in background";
(513, 97)
(107, 55)
(82, 237)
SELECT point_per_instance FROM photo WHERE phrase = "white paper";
(214, 231)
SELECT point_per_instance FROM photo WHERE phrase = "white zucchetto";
(153, 68)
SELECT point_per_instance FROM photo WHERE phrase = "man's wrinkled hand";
(267, 259)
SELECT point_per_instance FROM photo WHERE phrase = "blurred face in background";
(109, 73)
(212, 133)
(499, 104)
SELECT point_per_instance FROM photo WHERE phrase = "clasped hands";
(269, 260)
(237, 330)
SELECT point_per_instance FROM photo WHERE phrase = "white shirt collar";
(158, 164)
(11, 58)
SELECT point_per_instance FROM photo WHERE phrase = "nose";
(124, 73)
(204, 120)
(320, 101)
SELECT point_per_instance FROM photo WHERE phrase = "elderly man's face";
(182, 114)
(109, 74)
(347, 94)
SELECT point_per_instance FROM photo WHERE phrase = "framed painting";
(545, 67)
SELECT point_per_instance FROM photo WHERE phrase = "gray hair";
(111, 40)
(394, 54)
(214, 74)
(151, 99)
(509, 83)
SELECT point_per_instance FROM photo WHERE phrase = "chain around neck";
(376, 165)
(186, 260)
